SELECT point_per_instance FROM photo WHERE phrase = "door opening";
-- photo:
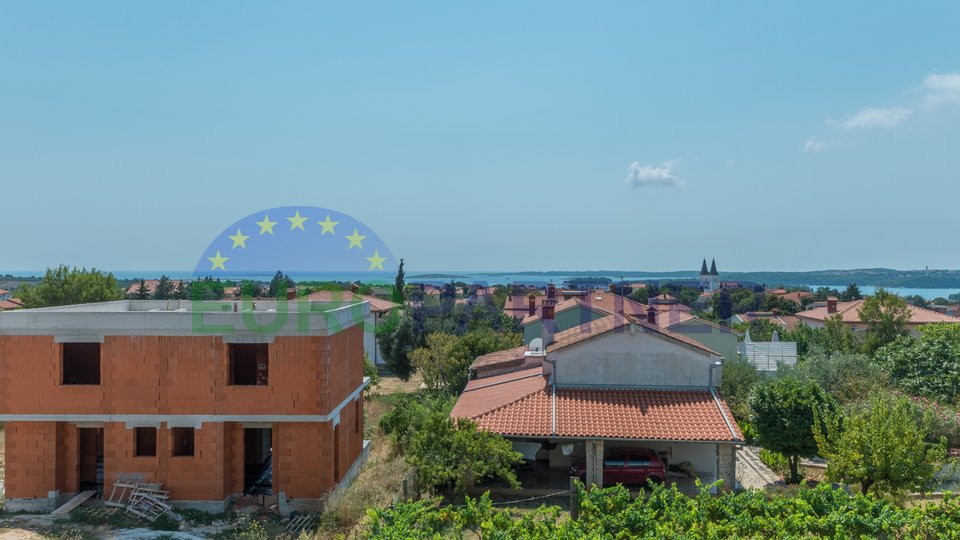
(90, 459)
(258, 461)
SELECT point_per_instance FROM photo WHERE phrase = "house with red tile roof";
(849, 313)
(619, 380)
(787, 322)
(5, 294)
(582, 309)
(10, 304)
(796, 296)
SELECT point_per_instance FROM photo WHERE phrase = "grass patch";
(201, 518)
(120, 520)
(263, 526)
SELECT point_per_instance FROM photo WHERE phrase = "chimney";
(831, 305)
(652, 315)
(532, 305)
(546, 311)
(551, 291)
(291, 294)
(613, 288)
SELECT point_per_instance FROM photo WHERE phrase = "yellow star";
(376, 262)
(296, 222)
(356, 240)
(239, 240)
(328, 226)
(266, 226)
(218, 261)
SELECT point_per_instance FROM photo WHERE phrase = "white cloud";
(876, 117)
(815, 145)
(663, 174)
(941, 88)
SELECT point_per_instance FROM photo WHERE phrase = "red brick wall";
(31, 464)
(180, 375)
(201, 477)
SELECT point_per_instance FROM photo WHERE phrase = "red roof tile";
(504, 358)
(598, 327)
(482, 396)
(850, 313)
(641, 414)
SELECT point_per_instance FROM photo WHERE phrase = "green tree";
(739, 378)
(182, 290)
(783, 414)
(434, 362)
(928, 365)
(852, 293)
(63, 285)
(279, 285)
(399, 285)
(142, 292)
(886, 316)
(722, 305)
(882, 445)
(398, 338)
(450, 453)
(164, 289)
(845, 376)
(640, 294)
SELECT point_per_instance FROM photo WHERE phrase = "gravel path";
(751, 472)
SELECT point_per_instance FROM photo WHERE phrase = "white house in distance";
(379, 308)
(849, 313)
(614, 381)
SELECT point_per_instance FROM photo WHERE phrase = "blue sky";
(486, 136)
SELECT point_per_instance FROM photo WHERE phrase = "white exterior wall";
(629, 358)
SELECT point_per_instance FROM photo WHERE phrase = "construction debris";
(141, 499)
(74, 502)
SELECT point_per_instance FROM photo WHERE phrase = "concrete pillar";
(727, 466)
(594, 463)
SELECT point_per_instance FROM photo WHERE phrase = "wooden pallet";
(147, 507)
(120, 495)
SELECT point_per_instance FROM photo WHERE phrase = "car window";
(613, 463)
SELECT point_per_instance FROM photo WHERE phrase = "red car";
(627, 466)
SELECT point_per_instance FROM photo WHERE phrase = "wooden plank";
(76, 501)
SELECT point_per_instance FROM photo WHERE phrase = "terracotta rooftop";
(850, 313)
(521, 404)
(10, 303)
(603, 325)
(504, 358)
(377, 305)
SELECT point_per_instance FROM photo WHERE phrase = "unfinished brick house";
(212, 400)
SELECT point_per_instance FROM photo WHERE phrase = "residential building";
(575, 310)
(10, 303)
(787, 322)
(617, 380)
(5, 295)
(849, 313)
(795, 296)
(211, 399)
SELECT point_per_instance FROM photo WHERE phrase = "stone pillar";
(727, 466)
(594, 464)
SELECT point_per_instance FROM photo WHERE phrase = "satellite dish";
(536, 345)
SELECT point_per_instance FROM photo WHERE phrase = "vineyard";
(821, 512)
